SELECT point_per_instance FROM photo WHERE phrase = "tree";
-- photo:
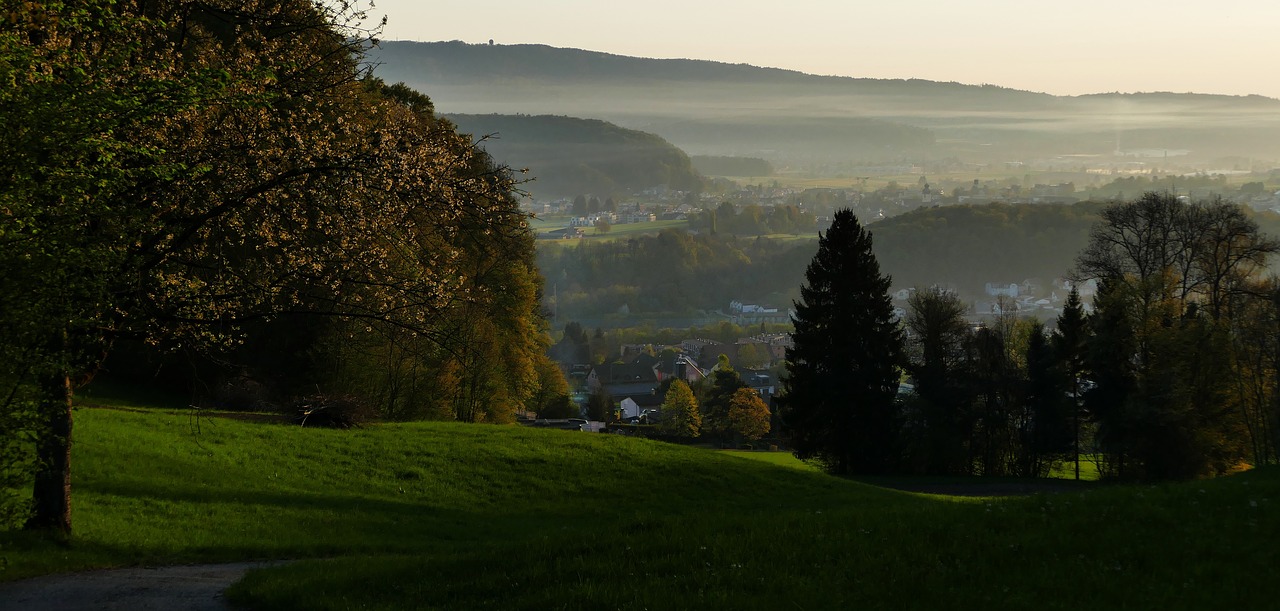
(842, 373)
(724, 381)
(1069, 342)
(940, 422)
(1174, 274)
(551, 387)
(1048, 420)
(602, 226)
(580, 205)
(680, 413)
(559, 408)
(748, 415)
(753, 356)
(600, 406)
(202, 167)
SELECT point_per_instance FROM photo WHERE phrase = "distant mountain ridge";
(455, 58)
(714, 108)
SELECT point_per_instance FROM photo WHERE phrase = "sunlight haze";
(1088, 46)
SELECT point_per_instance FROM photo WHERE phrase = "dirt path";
(169, 588)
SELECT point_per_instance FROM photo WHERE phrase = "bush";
(340, 412)
(243, 393)
(559, 408)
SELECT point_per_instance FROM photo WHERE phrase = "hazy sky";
(1054, 46)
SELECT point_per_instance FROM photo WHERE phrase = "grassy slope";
(456, 516)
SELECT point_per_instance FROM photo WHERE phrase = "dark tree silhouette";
(842, 373)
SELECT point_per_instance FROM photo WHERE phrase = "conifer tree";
(843, 371)
(1068, 344)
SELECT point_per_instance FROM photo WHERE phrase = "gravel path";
(169, 588)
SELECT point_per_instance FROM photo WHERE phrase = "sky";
(1052, 46)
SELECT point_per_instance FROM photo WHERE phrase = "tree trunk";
(51, 492)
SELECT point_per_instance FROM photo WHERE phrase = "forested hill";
(713, 108)
(967, 246)
(567, 156)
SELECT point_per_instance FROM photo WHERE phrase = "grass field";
(457, 516)
(615, 232)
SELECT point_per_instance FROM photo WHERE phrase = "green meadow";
(456, 516)
(620, 231)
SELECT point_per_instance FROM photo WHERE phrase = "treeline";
(754, 220)
(671, 272)
(566, 156)
(1171, 376)
(227, 179)
(576, 345)
(1133, 186)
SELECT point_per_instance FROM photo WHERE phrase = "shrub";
(340, 412)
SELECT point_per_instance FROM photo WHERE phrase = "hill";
(471, 516)
(567, 156)
(712, 108)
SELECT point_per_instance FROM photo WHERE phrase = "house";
(702, 351)
(996, 290)
(629, 408)
(762, 384)
(749, 313)
(637, 381)
(778, 344)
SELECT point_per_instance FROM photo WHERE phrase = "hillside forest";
(566, 156)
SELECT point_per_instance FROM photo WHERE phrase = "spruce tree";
(1069, 346)
(843, 371)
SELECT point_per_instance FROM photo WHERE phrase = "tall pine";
(843, 371)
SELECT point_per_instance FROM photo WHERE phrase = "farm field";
(442, 515)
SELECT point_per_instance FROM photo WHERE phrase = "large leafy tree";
(940, 422)
(748, 414)
(1174, 275)
(680, 413)
(180, 169)
(843, 371)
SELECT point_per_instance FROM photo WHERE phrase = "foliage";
(201, 168)
(716, 395)
(673, 271)
(680, 414)
(550, 387)
(755, 220)
(1069, 344)
(971, 245)
(748, 415)
(938, 418)
(559, 407)
(842, 374)
(1174, 274)
(601, 406)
